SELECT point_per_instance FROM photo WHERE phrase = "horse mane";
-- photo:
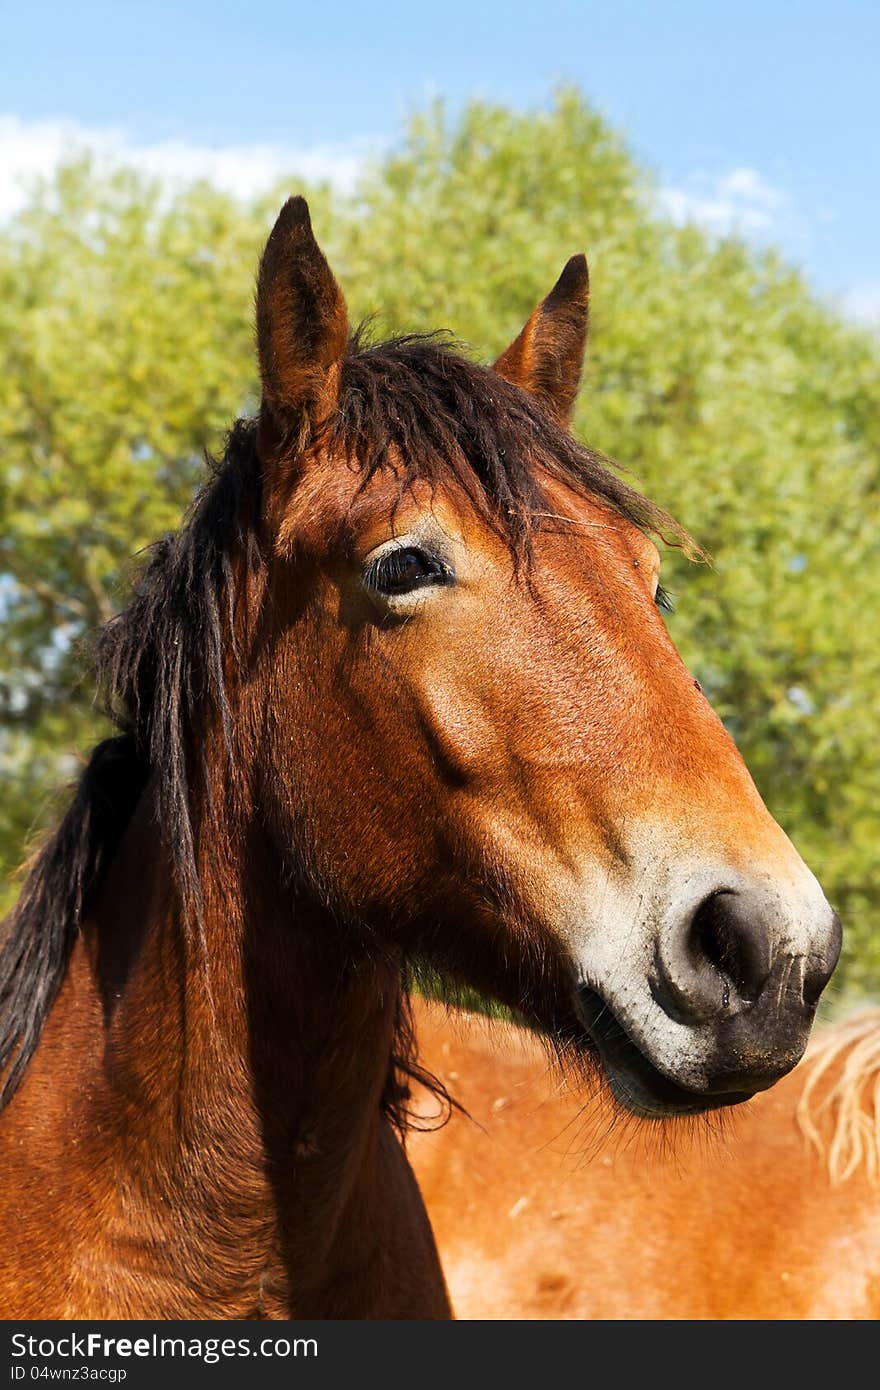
(413, 404)
(842, 1094)
(40, 930)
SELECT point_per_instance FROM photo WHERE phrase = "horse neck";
(247, 1060)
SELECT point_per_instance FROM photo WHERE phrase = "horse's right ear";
(547, 357)
(302, 322)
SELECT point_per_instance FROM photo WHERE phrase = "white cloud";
(739, 202)
(743, 203)
(30, 149)
(861, 302)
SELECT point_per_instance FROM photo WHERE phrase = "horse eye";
(664, 600)
(404, 570)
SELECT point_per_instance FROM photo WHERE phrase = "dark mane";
(413, 404)
(416, 404)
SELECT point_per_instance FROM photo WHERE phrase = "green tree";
(735, 398)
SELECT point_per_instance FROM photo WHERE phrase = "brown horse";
(775, 1217)
(399, 689)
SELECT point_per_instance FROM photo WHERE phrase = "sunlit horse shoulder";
(397, 689)
(546, 1206)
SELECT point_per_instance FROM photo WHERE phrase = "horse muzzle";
(724, 1019)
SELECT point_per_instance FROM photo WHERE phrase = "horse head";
(485, 750)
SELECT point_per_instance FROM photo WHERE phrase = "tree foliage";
(732, 395)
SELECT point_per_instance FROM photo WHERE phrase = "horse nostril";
(734, 941)
(731, 966)
(716, 961)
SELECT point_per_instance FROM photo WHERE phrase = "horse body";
(398, 690)
(169, 1163)
(545, 1206)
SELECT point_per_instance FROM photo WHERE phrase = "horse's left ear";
(302, 321)
(547, 357)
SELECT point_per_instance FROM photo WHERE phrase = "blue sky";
(760, 116)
